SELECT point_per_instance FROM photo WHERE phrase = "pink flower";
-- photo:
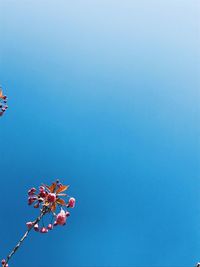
(29, 225)
(61, 218)
(71, 202)
(51, 197)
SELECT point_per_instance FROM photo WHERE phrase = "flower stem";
(43, 212)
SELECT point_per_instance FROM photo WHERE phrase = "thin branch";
(43, 212)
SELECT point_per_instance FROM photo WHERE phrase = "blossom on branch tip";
(48, 198)
(71, 202)
(3, 103)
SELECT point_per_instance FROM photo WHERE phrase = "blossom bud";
(31, 191)
(50, 226)
(36, 227)
(59, 185)
(44, 230)
(61, 217)
(29, 225)
(3, 261)
(42, 188)
(71, 202)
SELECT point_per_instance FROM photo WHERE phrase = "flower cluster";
(3, 102)
(4, 264)
(48, 198)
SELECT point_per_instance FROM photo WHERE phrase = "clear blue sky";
(103, 94)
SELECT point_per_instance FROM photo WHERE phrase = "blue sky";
(105, 96)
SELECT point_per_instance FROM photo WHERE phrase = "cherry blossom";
(3, 102)
(49, 200)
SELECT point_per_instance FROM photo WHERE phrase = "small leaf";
(62, 188)
(53, 207)
(61, 202)
(52, 187)
(1, 93)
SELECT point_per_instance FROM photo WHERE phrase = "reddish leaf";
(52, 187)
(53, 207)
(62, 188)
(61, 202)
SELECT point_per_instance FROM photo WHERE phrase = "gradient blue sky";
(103, 94)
